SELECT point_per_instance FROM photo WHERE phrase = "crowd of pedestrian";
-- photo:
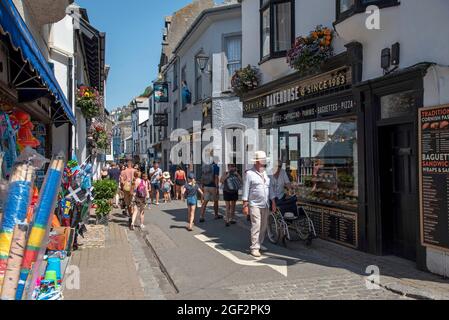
(260, 192)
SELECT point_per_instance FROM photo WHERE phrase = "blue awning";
(12, 25)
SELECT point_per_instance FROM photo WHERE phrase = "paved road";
(213, 262)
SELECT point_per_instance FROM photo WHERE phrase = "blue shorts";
(192, 201)
(156, 186)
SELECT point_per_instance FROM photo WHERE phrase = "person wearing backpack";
(155, 178)
(126, 182)
(232, 183)
(210, 180)
(140, 194)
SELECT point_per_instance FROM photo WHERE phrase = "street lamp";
(202, 60)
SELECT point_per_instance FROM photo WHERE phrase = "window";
(184, 84)
(198, 82)
(233, 49)
(175, 115)
(324, 168)
(175, 76)
(347, 8)
(277, 28)
(397, 105)
(151, 134)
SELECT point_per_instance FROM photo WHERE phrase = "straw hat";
(260, 156)
(166, 175)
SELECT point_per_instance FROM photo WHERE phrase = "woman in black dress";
(232, 182)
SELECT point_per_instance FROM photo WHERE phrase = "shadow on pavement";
(321, 253)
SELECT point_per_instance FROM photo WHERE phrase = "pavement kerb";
(147, 240)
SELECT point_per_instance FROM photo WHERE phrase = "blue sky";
(133, 42)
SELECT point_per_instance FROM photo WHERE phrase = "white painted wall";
(415, 24)
(209, 39)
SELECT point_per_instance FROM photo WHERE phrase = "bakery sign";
(299, 91)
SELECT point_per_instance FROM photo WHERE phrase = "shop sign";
(434, 176)
(161, 92)
(160, 119)
(300, 91)
(308, 113)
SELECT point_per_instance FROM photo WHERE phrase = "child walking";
(167, 185)
(191, 190)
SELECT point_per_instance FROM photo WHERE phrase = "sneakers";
(142, 227)
(256, 253)
(263, 248)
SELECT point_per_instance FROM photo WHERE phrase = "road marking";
(275, 264)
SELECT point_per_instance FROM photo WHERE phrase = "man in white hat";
(257, 194)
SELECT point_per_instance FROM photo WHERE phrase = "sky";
(133, 42)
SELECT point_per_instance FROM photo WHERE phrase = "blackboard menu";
(434, 176)
(334, 225)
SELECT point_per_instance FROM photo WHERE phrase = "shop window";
(397, 105)
(323, 168)
(276, 28)
(347, 8)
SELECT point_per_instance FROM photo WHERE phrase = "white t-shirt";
(157, 175)
(278, 185)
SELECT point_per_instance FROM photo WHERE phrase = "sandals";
(218, 217)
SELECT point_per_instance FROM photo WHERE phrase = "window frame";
(198, 78)
(175, 75)
(360, 7)
(183, 78)
(270, 5)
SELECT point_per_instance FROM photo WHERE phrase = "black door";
(398, 191)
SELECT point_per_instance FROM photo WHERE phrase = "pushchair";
(291, 223)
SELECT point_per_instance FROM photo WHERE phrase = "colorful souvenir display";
(15, 210)
(21, 121)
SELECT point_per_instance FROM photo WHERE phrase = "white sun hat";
(260, 156)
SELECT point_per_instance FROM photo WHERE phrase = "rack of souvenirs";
(39, 220)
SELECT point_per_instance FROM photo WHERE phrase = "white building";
(139, 115)
(364, 101)
(76, 65)
(215, 35)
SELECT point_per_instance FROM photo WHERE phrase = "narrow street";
(212, 263)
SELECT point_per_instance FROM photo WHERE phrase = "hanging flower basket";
(309, 53)
(245, 80)
(98, 137)
(89, 101)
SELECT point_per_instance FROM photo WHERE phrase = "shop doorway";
(290, 151)
(399, 209)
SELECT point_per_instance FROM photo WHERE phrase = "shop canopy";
(34, 78)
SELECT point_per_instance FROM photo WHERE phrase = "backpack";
(127, 186)
(142, 190)
(207, 176)
(232, 184)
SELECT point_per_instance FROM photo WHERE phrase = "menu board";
(334, 225)
(434, 176)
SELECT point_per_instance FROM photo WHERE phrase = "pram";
(288, 220)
